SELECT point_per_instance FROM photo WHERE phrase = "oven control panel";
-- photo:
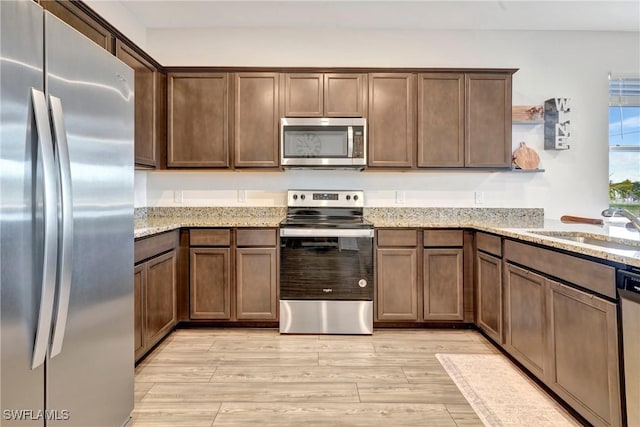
(322, 198)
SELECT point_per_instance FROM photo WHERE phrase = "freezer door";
(92, 376)
(21, 213)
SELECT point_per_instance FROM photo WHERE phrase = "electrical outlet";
(399, 197)
(177, 196)
(242, 196)
(479, 197)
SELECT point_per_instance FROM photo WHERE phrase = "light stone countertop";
(519, 224)
(615, 231)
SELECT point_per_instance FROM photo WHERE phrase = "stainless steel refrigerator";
(66, 225)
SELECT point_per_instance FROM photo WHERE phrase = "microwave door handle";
(350, 142)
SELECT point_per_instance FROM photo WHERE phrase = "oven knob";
(362, 283)
(355, 197)
(348, 197)
(302, 197)
(295, 197)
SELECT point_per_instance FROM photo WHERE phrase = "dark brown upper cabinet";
(198, 120)
(441, 120)
(146, 152)
(324, 94)
(73, 15)
(256, 117)
(487, 120)
(303, 95)
(392, 117)
(464, 120)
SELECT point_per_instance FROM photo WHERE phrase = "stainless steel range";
(326, 264)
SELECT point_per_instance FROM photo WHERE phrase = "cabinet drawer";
(257, 237)
(148, 247)
(210, 237)
(591, 275)
(489, 243)
(439, 238)
(397, 237)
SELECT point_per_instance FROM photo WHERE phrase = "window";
(624, 143)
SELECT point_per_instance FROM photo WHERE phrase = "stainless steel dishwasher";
(628, 282)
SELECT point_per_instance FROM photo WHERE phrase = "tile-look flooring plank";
(140, 390)
(333, 414)
(318, 374)
(374, 360)
(290, 344)
(253, 392)
(407, 393)
(245, 359)
(464, 415)
(163, 414)
(174, 373)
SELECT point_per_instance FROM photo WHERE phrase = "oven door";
(326, 264)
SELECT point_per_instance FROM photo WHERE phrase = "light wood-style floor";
(257, 377)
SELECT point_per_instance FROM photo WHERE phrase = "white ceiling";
(575, 15)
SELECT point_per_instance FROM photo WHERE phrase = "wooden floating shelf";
(527, 170)
(527, 122)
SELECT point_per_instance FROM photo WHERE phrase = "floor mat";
(500, 394)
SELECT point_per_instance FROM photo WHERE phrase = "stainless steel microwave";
(331, 143)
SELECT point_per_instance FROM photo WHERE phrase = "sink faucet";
(635, 220)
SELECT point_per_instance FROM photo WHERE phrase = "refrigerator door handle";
(49, 263)
(65, 246)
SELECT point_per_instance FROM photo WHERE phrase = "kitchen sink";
(591, 239)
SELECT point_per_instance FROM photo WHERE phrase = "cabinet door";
(344, 95)
(256, 118)
(145, 104)
(210, 283)
(489, 288)
(441, 120)
(584, 348)
(160, 297)
(392, 111)
(303, 95)
(69, 12)
(525, 319)
(488, 120)
(396, 286)
(256, 284)
(442, 282)
(139, 281)
(197, 116)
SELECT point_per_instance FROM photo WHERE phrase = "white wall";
(120, 17)
(552, 64)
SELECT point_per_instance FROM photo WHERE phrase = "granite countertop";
(151, 221)
(520, 224)
(614, 231)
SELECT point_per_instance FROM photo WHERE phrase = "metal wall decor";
(557, 125)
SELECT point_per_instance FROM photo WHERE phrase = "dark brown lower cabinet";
(234, 274)
(210, 283)
(256, 283)
(160, 297)
(139, 278)
(443, 284)
(566, 337)
(584, 348)
(397, 284)
(155, 307)
(489, 295)
(525, 323)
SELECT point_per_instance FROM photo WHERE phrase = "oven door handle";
(325, 232)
